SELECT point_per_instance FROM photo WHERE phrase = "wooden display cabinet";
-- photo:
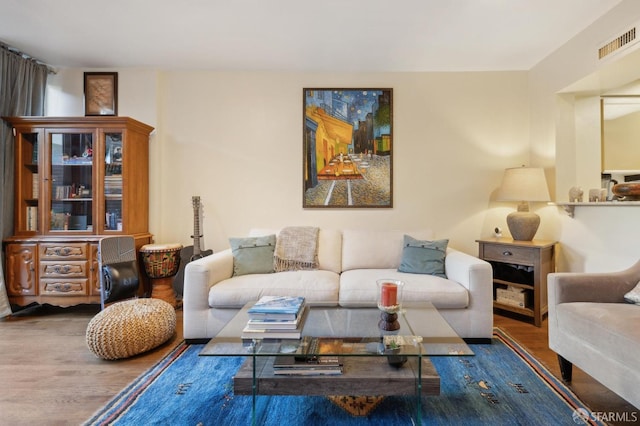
(77, 179)
(520, 270)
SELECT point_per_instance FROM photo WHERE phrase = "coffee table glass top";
(349, 331)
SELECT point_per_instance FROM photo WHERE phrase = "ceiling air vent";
(617, 43)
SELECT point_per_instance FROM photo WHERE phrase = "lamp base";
(523, 225)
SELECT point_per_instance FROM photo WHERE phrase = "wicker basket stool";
(131, 327)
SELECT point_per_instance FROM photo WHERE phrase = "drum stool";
(161, 263)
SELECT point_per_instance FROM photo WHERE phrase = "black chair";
(119, 278)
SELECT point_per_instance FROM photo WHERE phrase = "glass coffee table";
(365, 351)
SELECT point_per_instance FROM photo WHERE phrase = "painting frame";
(347, 148)
(100, 93)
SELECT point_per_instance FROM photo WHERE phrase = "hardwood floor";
(50, 377)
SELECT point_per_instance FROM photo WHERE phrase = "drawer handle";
(62, 269)
(62, 287)
(507, 253)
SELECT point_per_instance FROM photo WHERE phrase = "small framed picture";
(100, 93)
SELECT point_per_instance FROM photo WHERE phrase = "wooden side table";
(520, 271)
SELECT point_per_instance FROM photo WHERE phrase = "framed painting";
(347, 139)
(100, 93)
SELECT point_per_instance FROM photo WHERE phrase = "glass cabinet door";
(29, 183)
(71, 179)
(113, 181)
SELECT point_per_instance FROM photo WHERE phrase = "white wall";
(564, 98)
(235, 139)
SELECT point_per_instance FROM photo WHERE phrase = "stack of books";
(35, 186)
(32, 218)
(113, 184)
(275, 317)
(314, 357)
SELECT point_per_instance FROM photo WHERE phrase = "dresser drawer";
(64, 269)
(67, 251)
(64, 287)
(509, 254)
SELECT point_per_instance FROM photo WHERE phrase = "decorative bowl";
(628, 191)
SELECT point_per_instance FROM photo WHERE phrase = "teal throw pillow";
(253, 255)
(423, 257)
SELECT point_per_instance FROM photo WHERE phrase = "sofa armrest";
(603, 287)
(475, 274)
(200, 275)
(462, 267)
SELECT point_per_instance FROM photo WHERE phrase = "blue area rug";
(501, 385)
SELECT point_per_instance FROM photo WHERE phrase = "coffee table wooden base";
(362, 376)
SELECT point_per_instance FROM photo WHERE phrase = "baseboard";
(477, 340)
(196, 341)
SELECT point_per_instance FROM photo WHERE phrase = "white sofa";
(350, 262)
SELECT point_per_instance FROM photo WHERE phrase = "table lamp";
(523, 184)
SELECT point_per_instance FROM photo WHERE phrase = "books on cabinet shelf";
(35, 186)
(113, 185)
(32, 218)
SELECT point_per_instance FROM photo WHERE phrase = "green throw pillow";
(423, 257)
(253, 255)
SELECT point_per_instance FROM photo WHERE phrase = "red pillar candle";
(389, 294)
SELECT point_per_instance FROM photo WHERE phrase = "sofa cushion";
(253, 255)
(358, 286)
(611, 328)
(634, 295)
(315, 286)
(329, 247)
(423, 256)
(375, 249)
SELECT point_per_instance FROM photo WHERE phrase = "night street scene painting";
(348, 148)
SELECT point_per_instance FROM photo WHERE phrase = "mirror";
(620, 126)
(620, 134)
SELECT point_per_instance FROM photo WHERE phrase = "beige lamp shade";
(523, 184)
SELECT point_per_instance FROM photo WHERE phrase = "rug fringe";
(136, 387)
(552, 381)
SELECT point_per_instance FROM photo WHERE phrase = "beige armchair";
(592, 327)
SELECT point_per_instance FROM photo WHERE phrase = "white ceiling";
(296, 35)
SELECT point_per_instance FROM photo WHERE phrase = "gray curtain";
(22, 87)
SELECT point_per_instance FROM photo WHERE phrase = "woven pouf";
(129, 328)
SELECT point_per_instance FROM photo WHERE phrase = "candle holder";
(389, 300)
